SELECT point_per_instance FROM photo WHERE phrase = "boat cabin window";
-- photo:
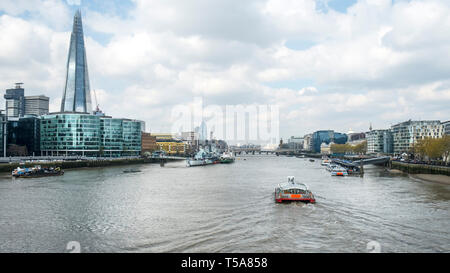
(294, 191)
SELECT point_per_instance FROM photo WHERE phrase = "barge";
(36, 171)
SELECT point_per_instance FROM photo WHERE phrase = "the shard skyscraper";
(77, 94)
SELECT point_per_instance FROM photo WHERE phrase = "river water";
(222, 208)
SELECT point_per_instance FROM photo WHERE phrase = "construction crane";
(96, 103)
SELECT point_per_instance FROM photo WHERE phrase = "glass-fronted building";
(375, 141)
(70, 134)
(23, 132)
(111, 141)
(388, 142)
(77, 93)
(326, 136)
(77, 134)
(131, 137)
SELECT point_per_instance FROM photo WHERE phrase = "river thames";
(222, 208)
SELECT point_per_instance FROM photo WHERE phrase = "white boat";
(339, 171)
(325, 162)
(192, 162)
(293, 191)
(227, 157)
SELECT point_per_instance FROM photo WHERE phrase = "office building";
(375, 141)
(388, 142)
(15, 101)
(148, 143)
(169, 144)
(18, 105)
(23, 136)
(131, 137)
(36, 105)
(446, 127)
(326, 136)
(111, 136)
(406, 134)
(79, 134)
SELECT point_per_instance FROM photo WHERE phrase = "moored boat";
(325, 162)
(36, 171)
(227, 158)
(292, 191)
(339, 171)
(192, 162)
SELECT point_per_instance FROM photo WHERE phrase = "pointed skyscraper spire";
(77, 94)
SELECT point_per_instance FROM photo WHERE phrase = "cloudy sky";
(328, 64)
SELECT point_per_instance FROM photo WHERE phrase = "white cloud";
(381, 61)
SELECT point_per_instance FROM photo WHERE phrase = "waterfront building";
(77, 93)
(406, 134)
(70, 134)
(172, 146)
(131, 137)
(148, 143)
(326, 136)
(388, 142)
(23, 136)
(142, 125)
(446, 127)
(169, 144)
(111, 136)
(375, 141)
(82, 134)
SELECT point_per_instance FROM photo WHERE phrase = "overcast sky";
(328, 64)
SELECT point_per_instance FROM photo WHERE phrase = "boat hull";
(38, 175)
(226, 161)
(304, 200)
(194, 163)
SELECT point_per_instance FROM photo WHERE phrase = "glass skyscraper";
(77, 93)
(76, 130)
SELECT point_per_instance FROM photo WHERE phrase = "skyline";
(326, 66)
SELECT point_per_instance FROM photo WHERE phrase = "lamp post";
(4, 122)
